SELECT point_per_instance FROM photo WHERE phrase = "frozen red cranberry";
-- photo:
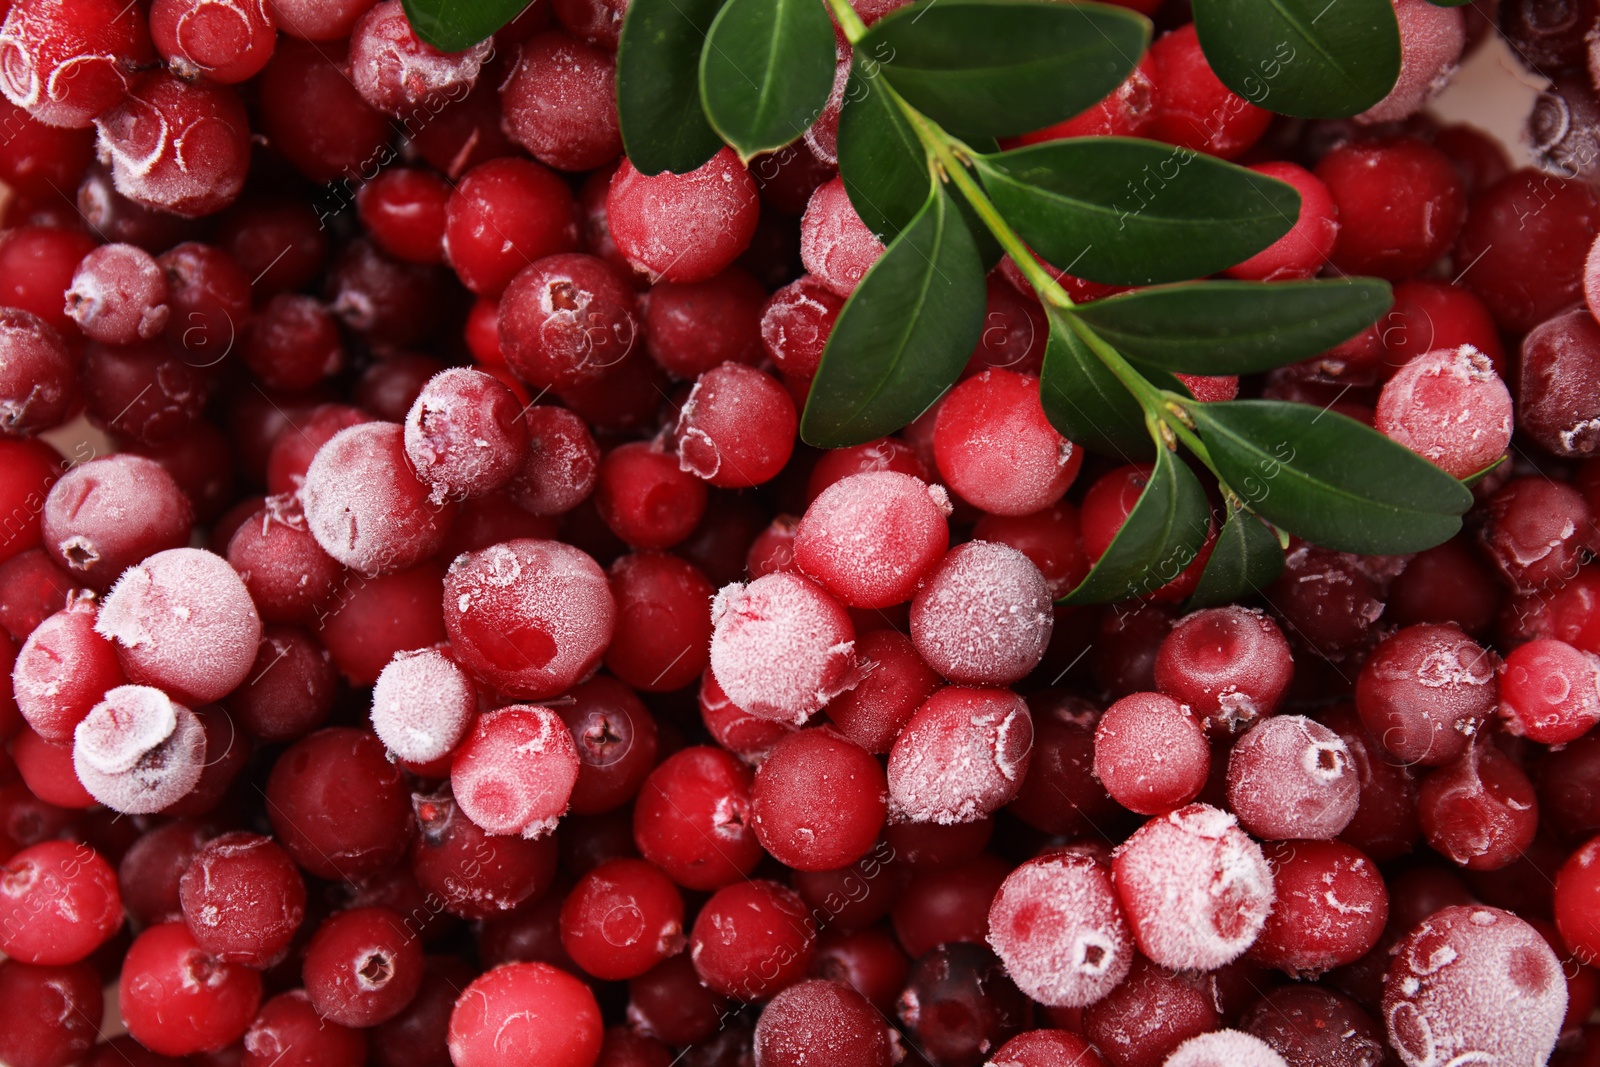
(684, 227)
(959, 1005)
(224, 41)
(1434, 997)
(177, 146)
(40, 158)
(1480, 811)
(149, 391)
(1329, 907)
(559, 103)
(58, 903)
(466, 871)
(616, 740)
(795, 324)
(1400, 204)
(835, 245)
(525, 1012)
(1290, 777)
(1328, 600)
(1194, 110)
(996, 449)
(514, 772)
(870, 457)
(562, 462)
(209, 294)
(243, 899)
(822, 1024)
(529, 617)
(962, 756)
(1549, 691)
(747, 736)
(338, 805)
(983, 615)
(398, 73)
(692, 818)
(293, 342)
(503, 215)
(47, 770)
(151, 869)
(1230, 665)
(291, 453)
(1450, 407)
(465, 435)
(737, 427)
(1058, 927)
(1429, 315)
(1424, 692)
(621, 919)
(38, 377)
(663, 634)
(1302, 251)
(782, 647)
(1526, 238)
(369, 620)
(404, 210)
(365, 505)
(176, 1000)
(422, 705)
(752, 939)
(1314, 1027)
(68, 62)
(1014, 332)
(786, 817)
(182, 619)
(867, 960)
(118, 295)
(1556, 404)
(1061, 794)
(362, 967)
(138, 752)
(895, 683)
(646, 498)
(62, 670)
(312, 114)
(28, 469)
(1196, 889)
(289, 576)
(52, 1014)
(870, 538)
(387, 302)
(1151, 753)
(318, 21)
(691, 328)
(567, 320)
(1224, 1048)
(1536, 532)
(1431, 40)
(1126, 111)
(289, 1032)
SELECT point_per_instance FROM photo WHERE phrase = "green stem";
(850, 22)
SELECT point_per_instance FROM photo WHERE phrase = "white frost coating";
(781, 647)
(69, 63)
(1290, 777)
(179, 148)
(1448, 406)
(869, 538)
(1431, 40)
(422, 704)
(821, 1023)
(1224, 1048)
(1057, 926)
(363, 504)
(515, 771)
(962, 755)
(1195, 887)
(394, 70)
(183, 620)
(137, 752)
(835, 245)
(984, 616)
(1474, 985)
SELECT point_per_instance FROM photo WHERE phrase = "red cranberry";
(52, 1013)
(959, 1005)
(1329, 907)
(1151, 753)
(177, 146)
(243, 899)
(1525, 240)
(150, 392)
(795, 324)
(663, 633)
(982, 616)
(621, 919)
(1400, 205)
(418, 1036)
(289, 1032)
(503, 215)
(962, 756)
(312, 114)
(525, 1012)
(752, 939)
(36, 267)
(514, 772)
(1425, 691)
(38, 380)
(1292, 778)
(58, 903)
(41, 158)
(1448, 406)
(1549, 691)
(224, 42)
(469, 872)
(835, 245)
(404, 210)
(293, 342)
(66, 63)
(1230, 665)
(562, 463)
(63, 670)
(398, 73)
(1449, 583)
(1313, 1027)
(684, 227)
(1301, 252)
(810, 1019)
(691, 328)
(1194, 109)
(559, 102)
(1479, 811)
(118, 295)
(1058, 927)
(362, 967)
(338, 805)
(209, 294)
(1149, 1015)
(567, 320)
(692, 819)
(178, 1001)
(786, 818)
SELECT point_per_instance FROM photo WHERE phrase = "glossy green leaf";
(1245, 558)
(453, 25)
(1328, 478)
(1130, 212)
(882, 163)
(1311, 58)
(1085, 402)
(1005, 67)
(904, 334)
(766, 71)
(664, 127)
(1162, 536)
(1236, 327)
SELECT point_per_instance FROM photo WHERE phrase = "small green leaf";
(1479, 475)
(1245, 558)
(1128, 212)
(664, 128)
(1084, 401)
(1315, 59)
(766, 71)
(1328, 478)
(904, 334)
(1163, 535)
(453, 25)
(1005, 67)
(882, 163)
(1236, 327)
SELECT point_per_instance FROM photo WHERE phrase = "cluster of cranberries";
(431, 646)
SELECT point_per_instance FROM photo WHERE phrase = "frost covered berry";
(962, 756)
(1057, 925)
(782, 647)
(1448, 406)
(137, 751)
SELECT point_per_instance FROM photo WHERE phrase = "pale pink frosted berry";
(1473, 984)
(366, 507)
(465, 435)
(562, 464)
(515, 771)
(984, 615)
(870, 538)
(1057, 926)
(118, 295)
(782, 647)
(1591, 264)
(1225, 1048)
(183, 620)
(1448, 406)
(422, 705)
(177, 146)
(1291, 777)
(1195, 888)
(395, 71)
(962, 755)
(137, 752)
(835, 245)
(1431, 40)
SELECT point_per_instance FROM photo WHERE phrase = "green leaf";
(664, 128)
(1084, 401)
(766, 71)
(1328, 478)
(453, 25)
(904, 334)
(1004, 67)
(1315, 59)
(1245, 558)
(1129, 212)
(1479, 475)
(1162, 536)
(1236, 327)
(882, 163)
